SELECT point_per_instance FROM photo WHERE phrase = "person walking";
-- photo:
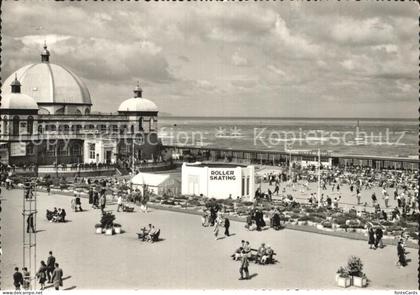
(119, 202)
(378, 237)
(57, 277)
(227, 225)
(90, 195)
(17, 279)
(50, 266)
(386, 200)
(401, 254)
(244, 266)
(42, 274)
(26, 278)
(371, 240)
(216, 229)
(103, 201)
(30, 223)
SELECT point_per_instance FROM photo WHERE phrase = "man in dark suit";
(17, 279)
(227, 225)
(401, 253)
(30, 223)
(57, 277)
(50, 266)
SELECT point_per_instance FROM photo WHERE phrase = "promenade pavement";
(188, 256)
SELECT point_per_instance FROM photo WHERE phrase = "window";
(243, 186)
(151, 124)
(5, 131)
(75, 150)
(61, 150)
(40, 129)
(30, 126)
(141, 124)
(132, 128)
(15, 130)
(29, 149)
(247, 186)
(92, 151)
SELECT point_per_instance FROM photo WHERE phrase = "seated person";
(238, 251)
(268, 256)
(58, 216)
(260, 253)
(149, 232)
(152, 234)
(253, 226)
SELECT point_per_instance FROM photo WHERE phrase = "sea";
(373, 137)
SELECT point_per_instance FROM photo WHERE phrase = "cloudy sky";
(285, 59)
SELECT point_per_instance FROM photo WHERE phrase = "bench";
(143, 235)
(253, 256)
(126, 208)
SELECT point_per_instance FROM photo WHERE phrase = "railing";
(73, 169)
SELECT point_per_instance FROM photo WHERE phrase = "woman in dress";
(216, 229)
(42, 274)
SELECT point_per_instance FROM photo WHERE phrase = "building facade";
(217, 180)
(46, 119)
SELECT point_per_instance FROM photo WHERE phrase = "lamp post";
(319, 178)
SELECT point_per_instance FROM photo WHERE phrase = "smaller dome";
(15, 100)
(137, 105)
(18, 101)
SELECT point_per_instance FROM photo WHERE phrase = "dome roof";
(18, 101)
(50, 84)
(137, 104)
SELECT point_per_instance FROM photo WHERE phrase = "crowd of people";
(49, 272)
(56, 215)
(149, 234)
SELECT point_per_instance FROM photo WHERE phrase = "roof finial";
(138, 91)
(16, 85)
(45, 55)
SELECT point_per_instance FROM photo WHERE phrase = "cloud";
(366, 32)
(239, 61)
(295, 57)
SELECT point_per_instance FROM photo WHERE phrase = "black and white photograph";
(209, 146)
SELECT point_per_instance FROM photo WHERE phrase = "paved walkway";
(188, 256)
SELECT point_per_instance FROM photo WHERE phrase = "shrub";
(107, 219)
(343, 272)
(327, 224)
(303, 218)
(355, 266)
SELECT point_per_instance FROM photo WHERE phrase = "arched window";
(151, 124)
(141, 123)
(30, 126)
(15, 131)
(87, 112)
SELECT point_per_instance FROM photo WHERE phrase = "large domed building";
(56, 89)
(46, 120)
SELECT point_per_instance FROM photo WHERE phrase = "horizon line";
(291, 118)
